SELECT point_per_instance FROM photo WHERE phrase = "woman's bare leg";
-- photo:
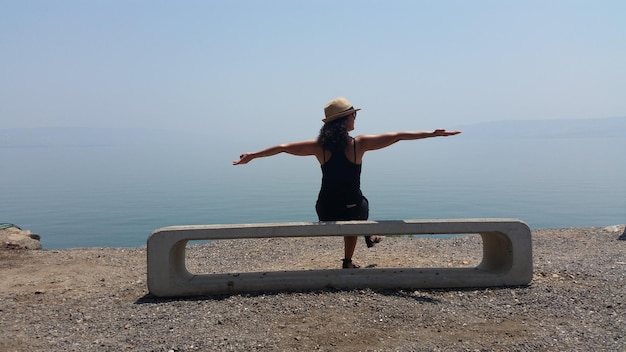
(349, 246)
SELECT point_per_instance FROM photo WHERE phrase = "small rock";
(15, 238)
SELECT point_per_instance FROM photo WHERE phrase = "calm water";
(116, 196)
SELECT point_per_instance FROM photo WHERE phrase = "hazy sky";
(250, 67)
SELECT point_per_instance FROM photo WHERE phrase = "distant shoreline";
(602, 127)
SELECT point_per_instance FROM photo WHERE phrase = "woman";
(340, 157)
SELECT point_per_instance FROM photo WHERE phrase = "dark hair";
(334, 134)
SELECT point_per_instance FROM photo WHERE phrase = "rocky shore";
(96, 299)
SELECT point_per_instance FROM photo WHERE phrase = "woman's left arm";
(303, 148)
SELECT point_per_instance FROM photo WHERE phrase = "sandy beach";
(96, 299)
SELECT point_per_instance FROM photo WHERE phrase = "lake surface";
(93, 196)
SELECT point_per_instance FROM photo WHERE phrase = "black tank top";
(341, 180)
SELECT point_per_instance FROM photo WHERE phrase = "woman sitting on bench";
(340, 156)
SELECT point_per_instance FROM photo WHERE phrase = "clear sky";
(251, 67)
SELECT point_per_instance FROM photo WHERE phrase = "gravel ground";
(96, 299)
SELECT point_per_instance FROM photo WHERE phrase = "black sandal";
(348, 264)
(370, 243)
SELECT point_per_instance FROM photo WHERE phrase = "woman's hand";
(243, 159)
(443, 133)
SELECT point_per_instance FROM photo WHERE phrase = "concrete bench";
(507, 258)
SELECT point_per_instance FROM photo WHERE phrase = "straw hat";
(338, 108)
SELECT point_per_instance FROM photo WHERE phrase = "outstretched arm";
(379, 141)
(310, 147)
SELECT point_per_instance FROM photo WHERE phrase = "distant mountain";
(62, 136)
(70, 136)
(562, 128)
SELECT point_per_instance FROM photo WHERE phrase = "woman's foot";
(372, 240)
(348, 264)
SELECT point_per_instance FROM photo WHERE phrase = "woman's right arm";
(304, 148)
(379, 141)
